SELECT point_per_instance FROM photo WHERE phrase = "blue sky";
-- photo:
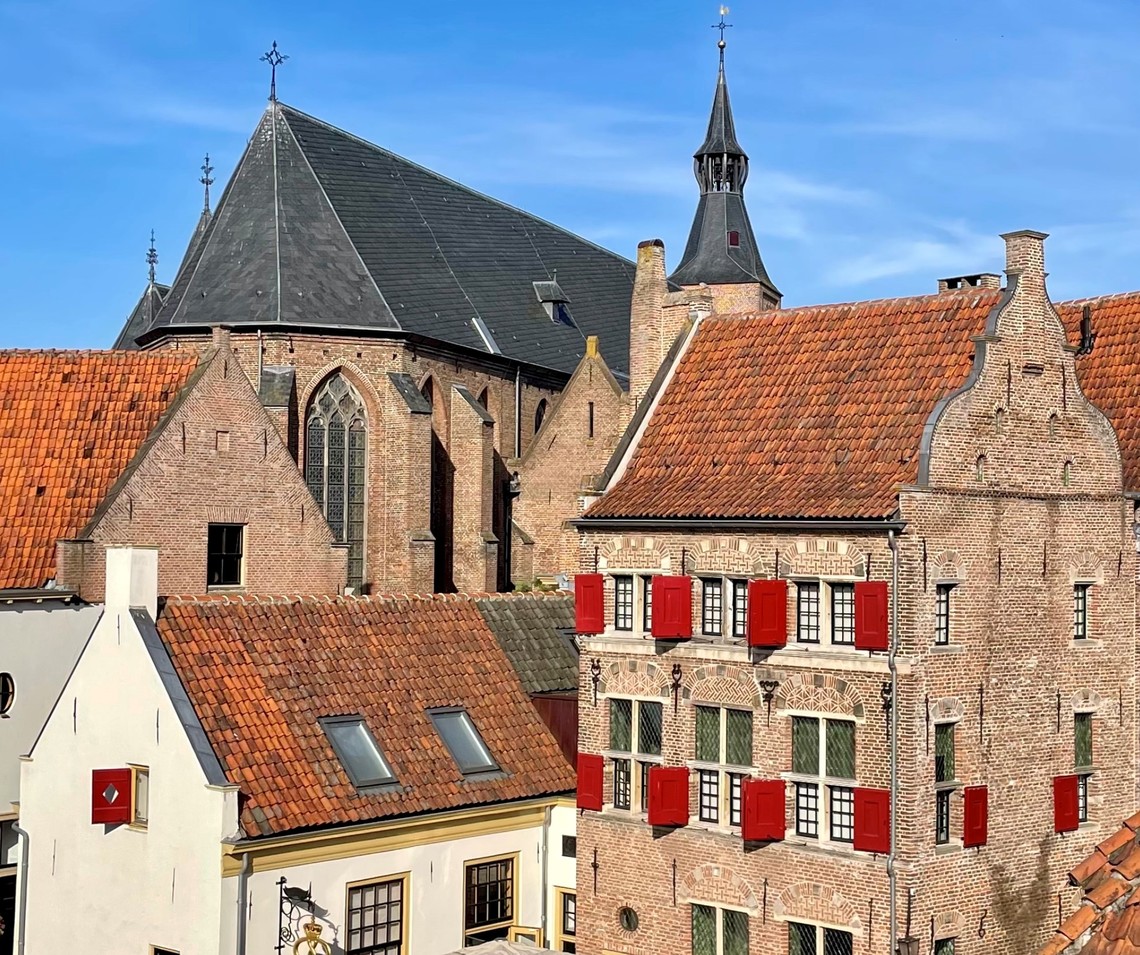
(891, 141)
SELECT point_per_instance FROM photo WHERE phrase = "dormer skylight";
(555, 301)
(358, 751)
(463, 741)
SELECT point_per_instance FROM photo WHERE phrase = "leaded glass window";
(336, 465)
(719, 931)
(804, 939)
(635, 741)
(824, 751)
(1082, 740)
(724, 738)
(943, 752)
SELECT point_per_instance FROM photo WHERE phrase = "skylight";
(463, 741)
(357, 751)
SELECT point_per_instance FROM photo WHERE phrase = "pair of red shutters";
(767, 610)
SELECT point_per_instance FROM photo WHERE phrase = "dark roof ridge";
(454, 182)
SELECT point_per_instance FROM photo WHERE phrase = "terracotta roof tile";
(261, 672)
(70, 423)
(1087, 868)
(1080, 920)
(1118, 840)
(1108, 892)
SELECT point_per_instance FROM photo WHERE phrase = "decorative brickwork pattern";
(812, 902)
(717, 885)
(722, 685)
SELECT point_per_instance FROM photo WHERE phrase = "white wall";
(160, 886)
(562, 868)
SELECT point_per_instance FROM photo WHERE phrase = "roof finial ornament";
(207, 180)
(274, 58)
(722, 26)
(151, 257)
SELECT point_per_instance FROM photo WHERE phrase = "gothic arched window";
(335, 465)
(539, 415)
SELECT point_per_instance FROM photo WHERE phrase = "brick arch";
(634, 677)
(353, 375)
(1086, 700)
(949, 925)
(822, 557)
(633, 553)
(1086, 567)
(820, 694)
(728, 555)
(947, 565)
(721, 684)
(949, 709)
(812, 902)
(717, 884)
(439, 404)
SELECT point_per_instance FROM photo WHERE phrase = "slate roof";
(70, 424)
(261, 672)
(319, 228)
(533, 631)
(145, 310)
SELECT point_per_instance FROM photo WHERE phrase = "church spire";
(151, 258)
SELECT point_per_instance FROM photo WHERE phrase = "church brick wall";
(741, 297)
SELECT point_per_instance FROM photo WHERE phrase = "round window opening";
(7, 692)
(627, 919)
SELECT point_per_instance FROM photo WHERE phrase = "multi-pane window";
(376, 918)
(942, 615)
(566, 940)
(739, 608)
(712, 606)
(489, 901)
(807, 612)
(335, 465)
(635, 744)
(718, 931)
(944, 780)
(843, 614)
(1083, 760)
(224, 555)
(647, 604)
(723, 738)
(824, 751)
(944, 946)
(804, 939)
(1080, 611)
(623, 602)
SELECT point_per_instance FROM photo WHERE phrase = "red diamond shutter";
(668, 792)
(763, 815)
(976, 816)
(767, 613)
(591, 770)
(589, 604)
(871, 632)
(1066, 815)
(873, 820)
(110, 796)
(672, 608)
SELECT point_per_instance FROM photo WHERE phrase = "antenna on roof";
(206, 180)
(152, 257)
(722, 26)
(274, 58)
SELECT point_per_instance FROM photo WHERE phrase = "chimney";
(132, 579)
(989, 280)
(220, 336)
(1025, 254)
(647, 345)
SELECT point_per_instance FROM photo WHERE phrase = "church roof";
(721, 135)
(143, 314)
(319, 228)
(70, 424)
(710, 258)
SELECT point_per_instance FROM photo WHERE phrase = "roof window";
(463, 741)
(358, 751)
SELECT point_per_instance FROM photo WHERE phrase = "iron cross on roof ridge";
(274, 58)
(206, 179)
(151, 257)
(722, 26)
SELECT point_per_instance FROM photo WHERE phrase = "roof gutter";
(824, 524)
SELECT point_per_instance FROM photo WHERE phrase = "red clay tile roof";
(260, 672)
(806, 412)
(1107, 922)
(70, 423)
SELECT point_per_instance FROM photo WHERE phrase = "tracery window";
(335, 465)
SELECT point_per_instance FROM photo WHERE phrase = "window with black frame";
(224, 555)
(807, 939)
(1083, 760)
(623, 602)
(489, 901)
(376, 918)
(712, 606)
(823, 772)
(1081, 612)
(843, 614)
(944, 780)
(723, 751)
(807, 612)
(635, 746)
(647, 604)
(739, 608)
(942, 615)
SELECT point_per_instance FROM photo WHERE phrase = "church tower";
(722, 252)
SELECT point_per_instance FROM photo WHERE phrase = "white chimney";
(132, 579)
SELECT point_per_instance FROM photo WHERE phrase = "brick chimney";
(988, 280)
(649, 340)
(132, 579)
(1025, 255)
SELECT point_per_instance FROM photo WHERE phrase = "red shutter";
(1066, 815)
(873, 820)
(871, 631)
(763, 816)
(589, 604)
(767, 613)
(668, 792)
(110, 796)
(976, 816)
(672, 608)
(591, 770)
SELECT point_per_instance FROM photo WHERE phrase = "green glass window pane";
(1082, 736)
(649, 729)
(621, 719)
(801, 939)
(836, 942)
(805, 745)
(735, 932)
(944, 946)
(708, 733)
(943, 752)
(738, 737)
(841, 749)
(704, 930)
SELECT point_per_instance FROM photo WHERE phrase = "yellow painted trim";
(405, 904)
(560, 935)
(513, 857)
(277, 852)
(529, 933)
(136, 769)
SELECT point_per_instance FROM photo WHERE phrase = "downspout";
(22, 912)
(545, 870)
(518, 411)
(892, 664)
(260, 362)
(242, 901)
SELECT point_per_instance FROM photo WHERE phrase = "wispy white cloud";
(952, 249)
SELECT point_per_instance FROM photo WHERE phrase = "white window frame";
(728, 616)
(824, 784)
(824, 633)
(820, 929)
(946, 788)
(1084, 773)
(942, 587)
(1082, 629)
(632, 602)
(725, 771)
(720, 909)
(638, 776)
(140, 782)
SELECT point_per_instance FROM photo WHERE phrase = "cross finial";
(274, 58)
(207, 180)
(722, 26)
(152, 257)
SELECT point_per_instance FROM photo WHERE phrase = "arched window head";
(540, 415)
(1053, 420)
(484, 397)
(980, 469)
(336, 464)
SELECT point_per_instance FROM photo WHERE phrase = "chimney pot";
(220, 335)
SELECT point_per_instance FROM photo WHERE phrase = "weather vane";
(206, 179)
(722, 26)
(274, 59)
(152, 257)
